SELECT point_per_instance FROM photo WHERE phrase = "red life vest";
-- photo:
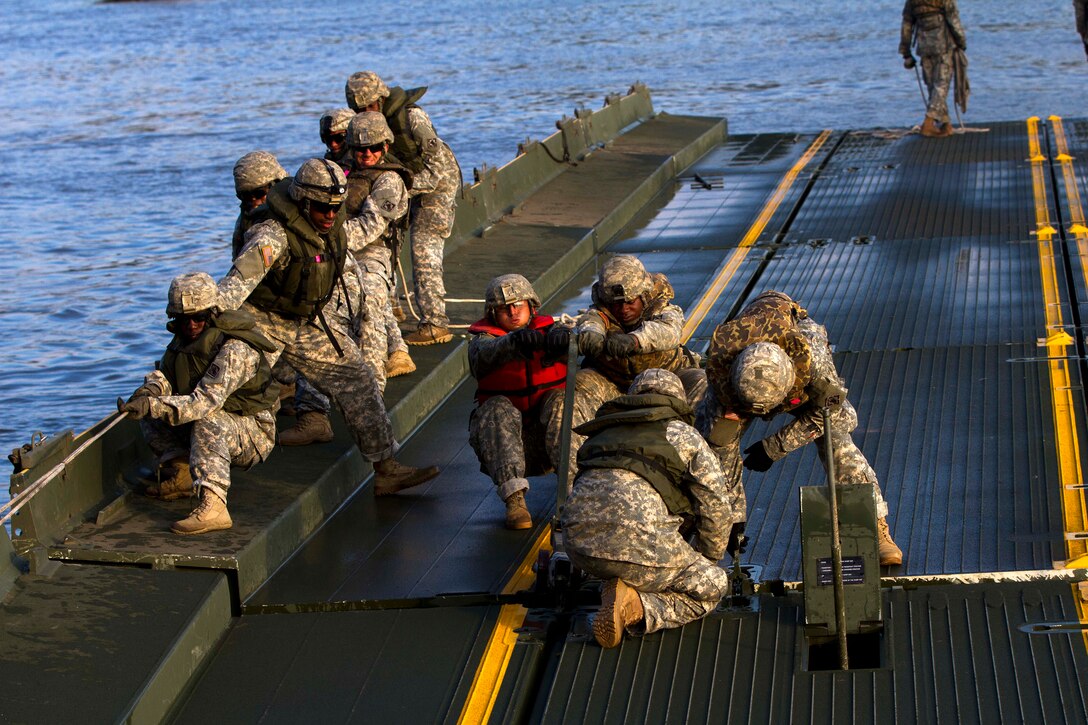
(524, 382)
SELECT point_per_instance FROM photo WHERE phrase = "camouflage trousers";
(851, 466)
(511, 444)
(937, 73)
(432, 218)
(214, 444)
(592, 390)
(345, 377)
(379, 333)
(671, 596)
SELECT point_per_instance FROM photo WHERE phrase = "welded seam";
(732, 263)
(1058, 342)
(1073, 500)
(500, 646)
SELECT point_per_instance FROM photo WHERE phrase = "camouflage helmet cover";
(363, 88)
(368, 129)
(506, 289)
(621, 279)
(656, 380)
(762, 376)
(191, 293)
(334, 121)
(319, 180)
(256, 170)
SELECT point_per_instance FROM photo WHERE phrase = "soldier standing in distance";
(292, 265)
(210, 405)
(934, 26)
(519, 361)
(436, 179)
(642, 469)
(771, 359)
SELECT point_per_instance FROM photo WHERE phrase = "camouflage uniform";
(511, 444)
(435, 190)
(617, 525)
(807, 346)
(602, 378)
(937, 31)
(306, 346)
(197, 424)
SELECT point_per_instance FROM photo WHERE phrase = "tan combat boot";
(399, 363)
(312, 427)
(890, 554)
(929, 128)
(947, 129)
(210, 515)
(287, 400)
(620, 608)
(391, 476)
(175, 481)
(398, 311)
(517, 513)
(428, 334)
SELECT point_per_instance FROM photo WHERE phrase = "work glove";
(147, 390)
(137, 408)
(557, 340)
(738, 542)
(827, 392)
(620, 344)
(756, 458)
(909, 62)
(527, 340)
(591, 344)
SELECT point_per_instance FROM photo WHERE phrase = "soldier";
(934, 26)
(293, 264)
(1080, 10)
(210, 405)
(519, 361)
(642, 469)
(632, 326)
(436, 179)
(254, 175)
(772, 358)
(333, 127)
(377, 203)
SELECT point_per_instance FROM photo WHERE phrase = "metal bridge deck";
(931, 264)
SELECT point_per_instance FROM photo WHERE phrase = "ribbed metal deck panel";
(948, 655)
(947, 431)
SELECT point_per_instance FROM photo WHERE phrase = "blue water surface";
(120, 122)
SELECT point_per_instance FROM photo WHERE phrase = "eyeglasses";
(336, 138)
(254, 194)
(197, 317)
(323, 208)
(377, 148)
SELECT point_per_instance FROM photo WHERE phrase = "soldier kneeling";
(210, 405)
(519, 361)
(642, 469)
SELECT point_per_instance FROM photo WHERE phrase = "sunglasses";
(322, 208)
(196, 317)
(373, 148)
(337, 138)
(253, 194)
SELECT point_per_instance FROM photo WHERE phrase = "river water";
(119, 125)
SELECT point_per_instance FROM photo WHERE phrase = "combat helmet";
(319, 180)
(657, 380)
(333, 122)
(506, 289)
(192, 293)
(257, 170)
(363, 88)
(368, 129)
(621, 279)
(762, 376)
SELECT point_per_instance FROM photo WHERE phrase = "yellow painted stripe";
(1074, 510)
(732, 263)
(500, 646)
(1058, 342)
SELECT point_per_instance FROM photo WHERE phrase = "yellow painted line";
(1058, 343)
(500, 646)
(730, 266)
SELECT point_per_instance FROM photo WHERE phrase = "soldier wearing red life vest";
(519, 361)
